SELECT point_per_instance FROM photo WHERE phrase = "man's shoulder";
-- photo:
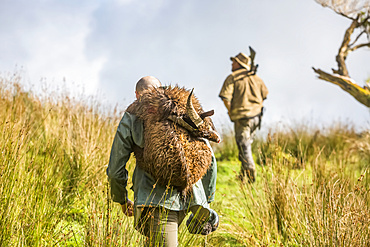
(128, 115)
(130, 119)
(239, 74)
(256, 78)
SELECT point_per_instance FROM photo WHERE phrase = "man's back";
(246, 93)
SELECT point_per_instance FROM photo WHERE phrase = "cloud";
(108, 45)
(47, 39)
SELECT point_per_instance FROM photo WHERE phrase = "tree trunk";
(344, 50)
(362, 95)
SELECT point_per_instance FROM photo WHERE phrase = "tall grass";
(312, 187)
(53, 156)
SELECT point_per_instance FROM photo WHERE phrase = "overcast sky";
(105, 46)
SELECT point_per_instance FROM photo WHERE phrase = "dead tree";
(358, 11)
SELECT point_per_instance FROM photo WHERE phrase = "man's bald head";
(146, 83)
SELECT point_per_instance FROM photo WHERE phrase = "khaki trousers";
(159, 225)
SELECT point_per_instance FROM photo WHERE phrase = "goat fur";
(171, 155)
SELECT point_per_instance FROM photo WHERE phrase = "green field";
(312, 187)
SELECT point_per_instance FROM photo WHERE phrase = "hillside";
(312, 187)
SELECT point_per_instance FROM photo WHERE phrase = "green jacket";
(146, 192)
(245, 92)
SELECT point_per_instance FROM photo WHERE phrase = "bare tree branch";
(344, 50)
(359, 46)
(359, 12)
(362, 95)
(357, 38)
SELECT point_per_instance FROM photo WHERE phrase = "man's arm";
(227, 105)
(120, 154)
(264, 90)
(227, 92)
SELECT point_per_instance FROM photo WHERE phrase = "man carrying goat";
(175, 171)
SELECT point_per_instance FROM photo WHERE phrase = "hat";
(242, 59)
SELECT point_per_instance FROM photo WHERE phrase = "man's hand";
(227, 105)
(128, 208)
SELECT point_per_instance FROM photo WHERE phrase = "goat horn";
(207, 114)
(181, 122)
(193, 115)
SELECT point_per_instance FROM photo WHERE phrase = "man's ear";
(137, 95)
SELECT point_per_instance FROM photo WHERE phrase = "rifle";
(253, 69)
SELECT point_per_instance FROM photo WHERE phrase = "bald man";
(158, 214)
(145, 84)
